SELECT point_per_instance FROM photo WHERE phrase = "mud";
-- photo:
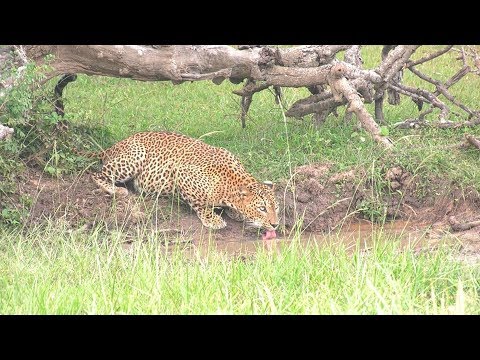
(327, 200)
(358, 235)
(321, 205)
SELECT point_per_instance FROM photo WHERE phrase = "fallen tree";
(332, 82)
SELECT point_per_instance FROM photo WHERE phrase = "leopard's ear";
(270, 184)
(244, 191)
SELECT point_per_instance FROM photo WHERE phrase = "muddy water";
(362, 233)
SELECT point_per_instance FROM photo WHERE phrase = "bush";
(39, 139)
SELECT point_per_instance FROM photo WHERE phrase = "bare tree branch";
(247, 96)
(416, 123)
(395, 61)
(473, 141)
(353, 56)
(58, 102)
(341, 87)
(423, 95)
(324, 101)
(429, 57)
(308, 56)
(442, 88)
(394, 97)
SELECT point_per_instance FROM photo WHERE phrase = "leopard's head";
(259, 206)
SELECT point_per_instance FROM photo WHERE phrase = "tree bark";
(342, 88)
(473, 141)
(185, 63)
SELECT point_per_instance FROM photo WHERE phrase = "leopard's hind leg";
(108, 186)
(118, 169)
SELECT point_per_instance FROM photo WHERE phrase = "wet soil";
(324, 207)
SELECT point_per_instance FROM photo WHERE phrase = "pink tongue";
(269, 234)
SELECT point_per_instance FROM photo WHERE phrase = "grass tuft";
(53, 271)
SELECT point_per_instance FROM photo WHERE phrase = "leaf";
(50, 169)
(384, 131)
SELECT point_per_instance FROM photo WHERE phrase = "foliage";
(39, 140)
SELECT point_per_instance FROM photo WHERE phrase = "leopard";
(206, 177)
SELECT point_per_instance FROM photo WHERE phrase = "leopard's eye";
(262, 208)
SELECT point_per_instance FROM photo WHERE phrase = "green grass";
(51, 272)
(125, 106)
(55, 271)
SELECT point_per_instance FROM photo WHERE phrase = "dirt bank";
(315, 201)
(326, 200)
